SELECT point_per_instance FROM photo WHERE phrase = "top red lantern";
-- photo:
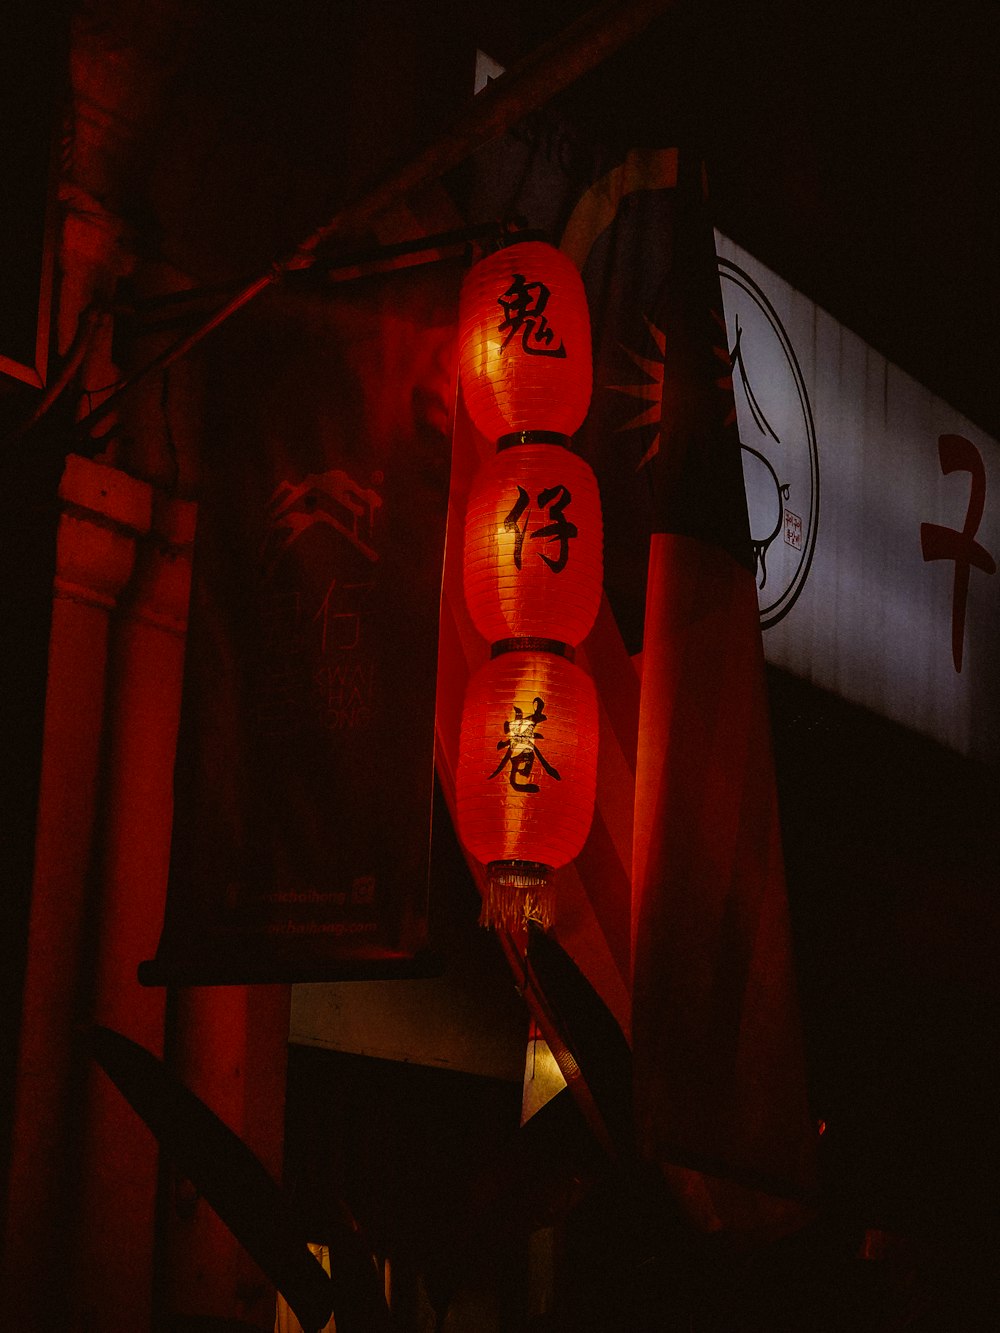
(524, 349)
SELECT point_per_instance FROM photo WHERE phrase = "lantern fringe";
(516, 893)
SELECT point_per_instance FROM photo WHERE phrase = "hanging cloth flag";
(304, 776)
(720, 1080)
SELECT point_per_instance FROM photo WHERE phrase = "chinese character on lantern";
(521, 748)
(522, 304)
(554, 499)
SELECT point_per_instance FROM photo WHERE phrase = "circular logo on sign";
(780, 457)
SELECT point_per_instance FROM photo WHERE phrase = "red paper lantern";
(527, 768)
(534, 545)
(524, 342)
(527, 775)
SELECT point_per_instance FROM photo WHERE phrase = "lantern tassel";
(517, 892)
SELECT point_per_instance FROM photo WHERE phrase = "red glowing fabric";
(533, 545)
(719, 1076)
(524, 342)
(527, 768)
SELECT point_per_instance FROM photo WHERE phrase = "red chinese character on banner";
(960, 455)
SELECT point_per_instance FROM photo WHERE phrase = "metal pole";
(549, 70)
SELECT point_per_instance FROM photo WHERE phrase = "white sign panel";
(875, 514)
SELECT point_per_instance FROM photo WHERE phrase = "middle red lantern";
(534, 545)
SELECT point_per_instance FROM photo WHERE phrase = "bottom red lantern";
(527, 774)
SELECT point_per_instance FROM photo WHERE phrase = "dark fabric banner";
(304, 776)
(720, 1076)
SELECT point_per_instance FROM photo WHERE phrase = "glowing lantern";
(533, 545)
(527, 768)
(524, 339)
(527, 774)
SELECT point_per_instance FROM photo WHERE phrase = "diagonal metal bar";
(238, 1187)
(596, 1045)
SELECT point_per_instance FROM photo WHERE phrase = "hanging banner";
(304, 776)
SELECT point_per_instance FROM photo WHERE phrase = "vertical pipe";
(113, 1254)
(228, 1044)
(103, 511)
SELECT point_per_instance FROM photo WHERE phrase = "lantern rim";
(516, 437)
(508, 232)
(530, 643)
(520, 873)
(526, 234)
(517, 892)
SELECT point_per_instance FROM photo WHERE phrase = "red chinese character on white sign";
(793, 530)
(958, 454)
